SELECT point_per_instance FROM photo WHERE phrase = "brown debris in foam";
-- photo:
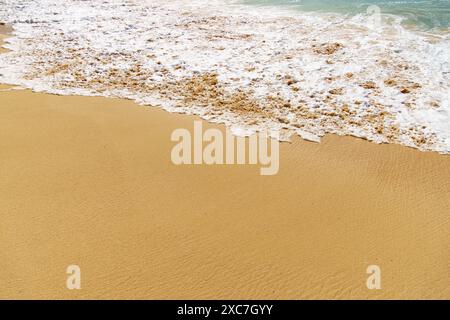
(411, 86)
(327, 48)
(206, 91)
(434, 104)
(404, 86)
(369, 85)
(228, 36)
(405, 90)
(345, 109)
(57, 69)
(290, 80)
(337, 91)
(390, 82)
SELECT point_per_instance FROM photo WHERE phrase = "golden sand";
(89, 181)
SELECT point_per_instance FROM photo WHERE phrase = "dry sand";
(89, 181)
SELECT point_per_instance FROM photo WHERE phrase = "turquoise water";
(426, 14)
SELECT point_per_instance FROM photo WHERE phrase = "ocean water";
(304, 68)
(426, 14)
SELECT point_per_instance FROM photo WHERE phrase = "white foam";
(251, 49)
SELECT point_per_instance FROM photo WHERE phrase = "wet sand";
(5, 30)
(89, 181)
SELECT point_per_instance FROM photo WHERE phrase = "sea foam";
(252, 68)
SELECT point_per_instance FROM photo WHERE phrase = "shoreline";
(6, 32)
(319, 86)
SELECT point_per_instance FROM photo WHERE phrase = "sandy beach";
(89, 181)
